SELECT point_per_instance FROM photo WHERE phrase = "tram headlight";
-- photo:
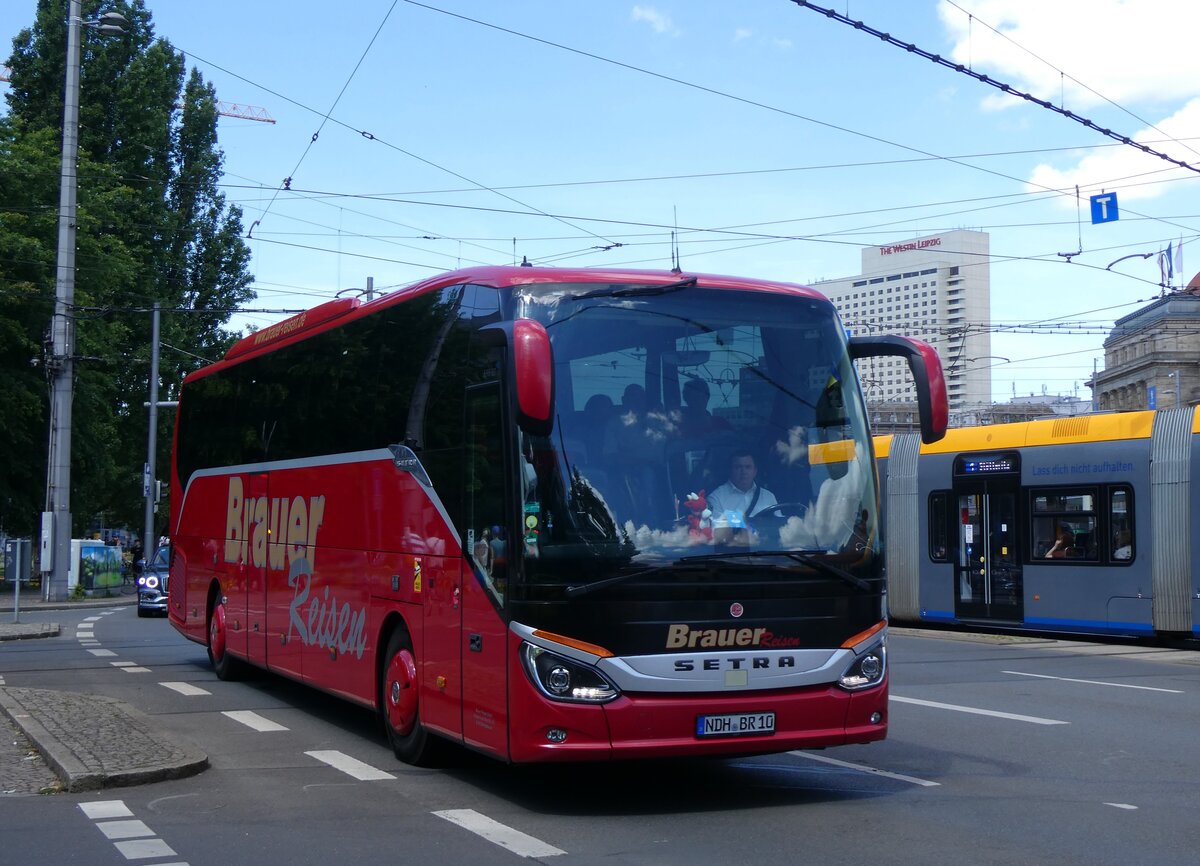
(866, 670)
(563, 679)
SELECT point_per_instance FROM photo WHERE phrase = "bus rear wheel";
(225, 665)
(400, 706)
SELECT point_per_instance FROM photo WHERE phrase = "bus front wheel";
(400, 704)
(225, 665)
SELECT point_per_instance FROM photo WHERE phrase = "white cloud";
(659, 21)
(742, 34)
(1116, 167)
(1115, 62)
(1124, 50)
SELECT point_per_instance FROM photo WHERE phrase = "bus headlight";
(563, 679)
(866, 670)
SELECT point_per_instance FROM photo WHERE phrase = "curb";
(20, 631)
(94, 742)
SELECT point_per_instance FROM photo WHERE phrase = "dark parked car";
(152, 583)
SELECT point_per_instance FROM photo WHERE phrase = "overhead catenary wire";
(991, 82)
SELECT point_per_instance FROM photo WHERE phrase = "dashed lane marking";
(131, 829)
(350, 766)
(253, 720)
(186, 689)
(106, 809)
(506, 837)
(1015, 717)
(131, 837)
(102, 652)
(1094, 682)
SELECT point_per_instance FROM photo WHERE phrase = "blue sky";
(780, 143)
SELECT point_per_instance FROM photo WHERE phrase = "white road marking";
(1122, 806)
(102, 652)
(89, 643)
(131, 829)
(251, 719)
(142, 849)
(91, 619)
(1094, 682)
(350, 766)
(1033, 720)
(186, 689)
(136, 670)
(105, 809)
(506, 837)
(863, 768)
(139, 843)
(122, 664)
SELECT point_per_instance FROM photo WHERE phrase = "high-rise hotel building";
(936, 288)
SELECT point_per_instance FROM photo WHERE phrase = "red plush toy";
(699, 516)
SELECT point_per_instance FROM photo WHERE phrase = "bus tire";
(225, 665)
(399, 701)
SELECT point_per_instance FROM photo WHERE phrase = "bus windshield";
(693, 424)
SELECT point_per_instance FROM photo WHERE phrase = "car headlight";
(563, 679)
(866, 670)
(151, 582)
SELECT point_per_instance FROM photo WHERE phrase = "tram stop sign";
(1104, 208)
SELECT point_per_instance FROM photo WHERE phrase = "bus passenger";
(694, 418)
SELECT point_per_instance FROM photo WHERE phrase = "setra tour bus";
(480, 506)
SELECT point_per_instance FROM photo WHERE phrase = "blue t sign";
(1104, 208)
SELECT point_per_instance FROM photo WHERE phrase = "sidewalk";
(90, 741)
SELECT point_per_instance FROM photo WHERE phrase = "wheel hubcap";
(402, 692)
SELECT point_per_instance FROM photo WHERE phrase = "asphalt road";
(1000, 751)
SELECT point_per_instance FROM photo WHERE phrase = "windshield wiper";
(585, 588)
(631, 291)
(803, 557)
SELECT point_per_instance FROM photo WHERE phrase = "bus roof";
(497, 276)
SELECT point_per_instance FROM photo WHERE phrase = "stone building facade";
(1152, 356)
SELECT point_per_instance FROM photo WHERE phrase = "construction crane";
(226, 109)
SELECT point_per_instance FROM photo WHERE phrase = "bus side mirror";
(932, 403)
(533, 367)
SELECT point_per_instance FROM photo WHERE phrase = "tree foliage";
(153, 227)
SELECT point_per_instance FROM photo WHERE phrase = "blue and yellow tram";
(1079, 524)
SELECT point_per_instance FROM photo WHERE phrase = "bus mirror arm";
(932, 403)
(530, 368)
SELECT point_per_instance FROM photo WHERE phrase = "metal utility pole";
(150, 539)
(56, 521)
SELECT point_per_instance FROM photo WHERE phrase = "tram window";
(1120, 524)
(1064, 525)
(939, 526)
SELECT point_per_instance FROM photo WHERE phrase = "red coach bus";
(481, 506)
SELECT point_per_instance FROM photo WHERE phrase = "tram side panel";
(1100, 580)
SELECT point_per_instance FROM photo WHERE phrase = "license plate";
(735, 725)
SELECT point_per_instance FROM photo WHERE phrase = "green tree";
(153, 226)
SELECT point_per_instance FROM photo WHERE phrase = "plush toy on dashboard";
(699, 516)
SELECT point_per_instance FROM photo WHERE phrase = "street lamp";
(56, 521)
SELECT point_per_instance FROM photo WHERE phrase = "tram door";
(988, 567)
